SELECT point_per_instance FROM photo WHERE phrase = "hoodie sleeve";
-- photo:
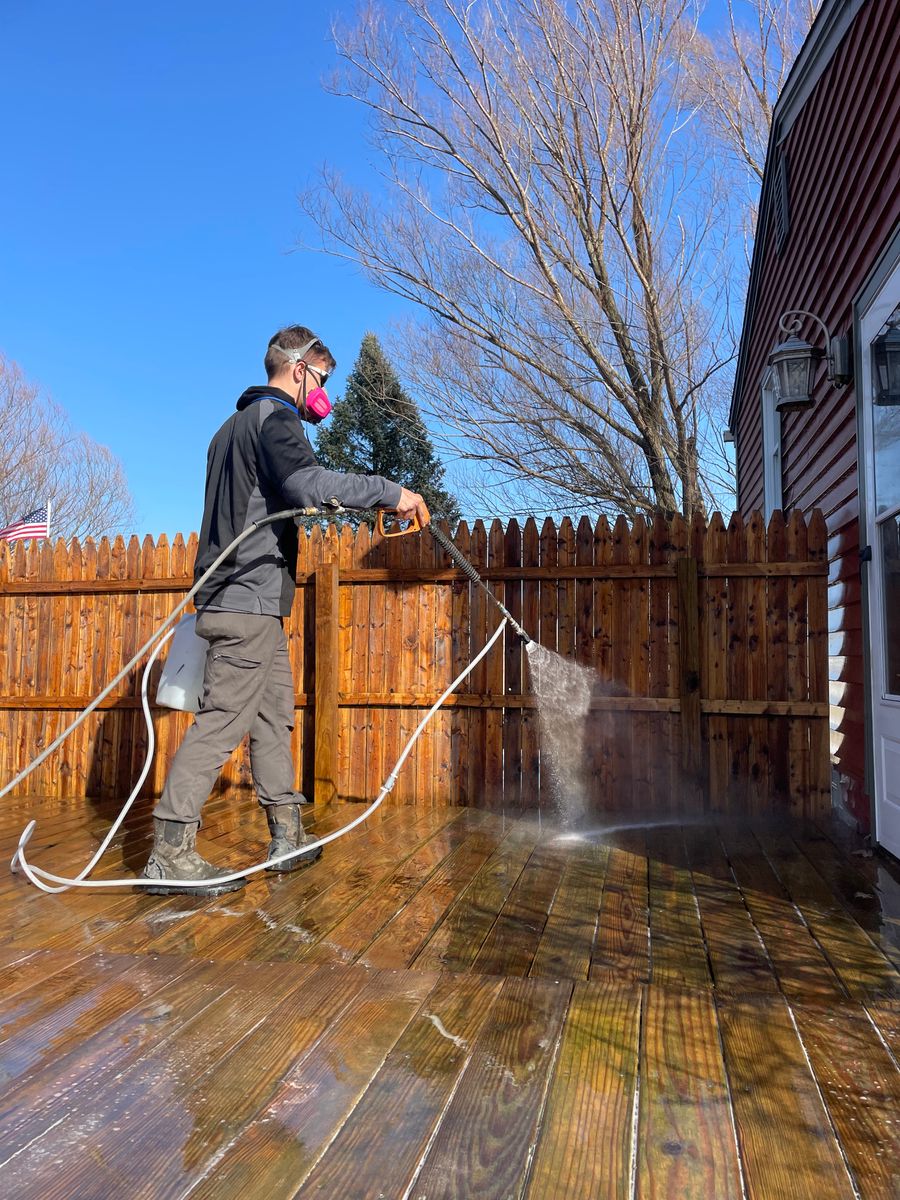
(288, 462)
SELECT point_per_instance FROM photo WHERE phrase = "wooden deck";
(454, 1004)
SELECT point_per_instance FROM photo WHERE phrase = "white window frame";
(771, 438)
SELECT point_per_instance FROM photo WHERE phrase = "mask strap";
(295, 356)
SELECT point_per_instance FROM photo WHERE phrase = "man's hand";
(412, 505)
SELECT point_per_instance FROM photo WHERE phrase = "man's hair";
(295, 337)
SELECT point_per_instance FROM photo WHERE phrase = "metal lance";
(466, 567)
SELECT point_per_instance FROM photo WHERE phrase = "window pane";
(890, 565)
(886, 423)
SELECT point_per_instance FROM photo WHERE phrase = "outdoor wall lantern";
(886, 365)
(795, 361)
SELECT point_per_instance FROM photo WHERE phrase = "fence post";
(326, 687)
(689, 663)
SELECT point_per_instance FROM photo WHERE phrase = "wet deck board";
(456, 1004)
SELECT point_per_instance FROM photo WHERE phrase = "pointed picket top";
(621, 536)
(177, 562)
(776, 536)
(20, 559)
(601, 529)
(756, 537)
(817, 536)
(548, 528)
(697, 534)
(679, 537)
(46, 558)
(660, 542)
(530, 539)
(584, 529)
(104, 558)
(462, 531)
(148, 553)
(315, 546)
(61, 559)
(736, 539)
(638, 540)
(133, 557)
(714, 542)
(478, 545)
(796, 537)
(346, 539)
(362, 544)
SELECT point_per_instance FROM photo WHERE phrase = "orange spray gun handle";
(397, 529)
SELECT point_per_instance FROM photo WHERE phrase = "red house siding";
(843, 157)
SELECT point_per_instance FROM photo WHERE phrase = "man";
(259, 462)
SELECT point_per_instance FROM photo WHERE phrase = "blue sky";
(153, 154)
(148, 218)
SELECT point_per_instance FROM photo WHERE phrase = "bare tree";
(736, 77)
(554, 210)
(42, 458)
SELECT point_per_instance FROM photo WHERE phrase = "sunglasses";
(322, 375)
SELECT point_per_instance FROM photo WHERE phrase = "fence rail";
(708, 642)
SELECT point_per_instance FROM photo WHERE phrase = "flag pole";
(49, 503)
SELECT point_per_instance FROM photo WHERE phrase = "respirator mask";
(316, 405)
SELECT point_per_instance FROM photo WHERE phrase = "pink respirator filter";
(318, 406)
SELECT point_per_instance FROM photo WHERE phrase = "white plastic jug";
(181, 681)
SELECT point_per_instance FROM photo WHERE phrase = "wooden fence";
(708, 642)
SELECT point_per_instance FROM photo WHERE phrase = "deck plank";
(378, 1148)
(686, 1144)
(512, 942)
(862, 967)
(786, 1140)
(567, 940)
(408, 931)
(860, 1084)
(482, 1145)
(623, 935)
(460, 936)
(677, 947)
(802, 968)
(280, 1147)
(592, 1092)
(737, 955)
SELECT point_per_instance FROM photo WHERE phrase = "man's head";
(298, 363)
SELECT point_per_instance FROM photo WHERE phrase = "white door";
(881, 462)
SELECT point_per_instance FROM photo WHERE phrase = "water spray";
(49, 882)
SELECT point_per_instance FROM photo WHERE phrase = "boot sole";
(296, 864)
(214, 889)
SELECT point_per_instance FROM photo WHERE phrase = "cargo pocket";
(231, 682)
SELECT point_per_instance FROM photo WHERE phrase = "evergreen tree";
(376, 429)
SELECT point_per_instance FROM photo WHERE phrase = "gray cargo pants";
(247, 688)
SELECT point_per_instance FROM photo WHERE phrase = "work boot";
(288, 834)
(174, 856)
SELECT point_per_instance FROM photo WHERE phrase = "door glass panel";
(890, 566)
(886, 430)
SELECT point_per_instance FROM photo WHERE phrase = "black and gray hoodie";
(259, 462)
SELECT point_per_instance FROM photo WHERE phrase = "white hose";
(114, 828)
(36, 874)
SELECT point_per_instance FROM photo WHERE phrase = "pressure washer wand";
(466, 567)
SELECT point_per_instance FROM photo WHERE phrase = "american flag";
(32, 525)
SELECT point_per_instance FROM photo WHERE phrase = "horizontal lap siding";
(843, 157)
